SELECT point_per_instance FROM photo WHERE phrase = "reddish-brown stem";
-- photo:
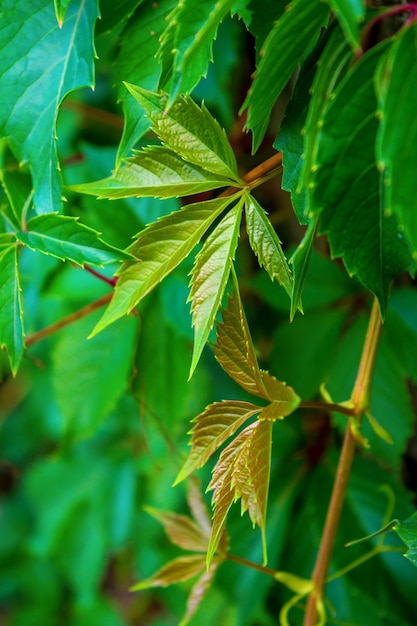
(327, 406)
(109, 281)
(360, 401)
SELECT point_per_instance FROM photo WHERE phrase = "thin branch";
(360, 401)
(259, 568)
(110, 281)
(327, 406)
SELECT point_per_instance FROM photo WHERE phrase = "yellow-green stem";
(360, 401)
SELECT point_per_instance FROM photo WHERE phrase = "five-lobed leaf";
(160, 248)
(190, 131)
(11, 314)
(65, 238)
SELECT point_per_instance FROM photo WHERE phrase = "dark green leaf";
(160, 248)
(350, 14)
(156, 171)
(44, 62)
(65, 238)
(210, 275)
(280, 55)
(190, 131)
(407, 531)
(11, 314)
(397, 132)
(300, 261)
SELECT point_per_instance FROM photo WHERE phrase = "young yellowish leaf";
(281, 394)
(212, 428)
(209, 277)
(176, 571)
(199, 590)
(302, 586)
(181, 530)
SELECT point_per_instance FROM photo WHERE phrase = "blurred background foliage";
(93, 430)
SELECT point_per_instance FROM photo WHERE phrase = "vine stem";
(360, 402)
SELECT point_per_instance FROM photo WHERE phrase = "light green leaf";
(157, 172)
(61, 7)
(407, 531)
(181, 530)
(18, 187)
(186, 45)
(160, 248)
(91, 375)
(137, 63)
(212, 428)
(397, 132)
(300, 261)
(11, 316)
(280, 55)
(350, 14)
(65, 238)
(349, 202)
(190, 131)
(176, 571)
(266, 244)
(209, 277)
(42, 63)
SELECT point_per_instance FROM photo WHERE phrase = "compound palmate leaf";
(209, 277)
(212, 428)
(191, 131)
(242, 471)
(41, 63)
(67, 239)
(160, 247)
(156, 172)
(11, 324)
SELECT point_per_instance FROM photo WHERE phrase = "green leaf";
(156, 171)
(280, 55)
(176, 571)
(266, 244)
(300, 261)
(90, 376)
(349, 202)
(42, 62)
(137, 63)
(160, 248)
(407, 531)
(190, 131)
(65, 238)
(209, 277)
(349, 13)
(11, 315)
(186, 45)
(259, 17)
(397, 132)
(61, 7)
(181, 530)
(212, 428)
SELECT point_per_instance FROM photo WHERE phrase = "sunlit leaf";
(209, 277)
(350, 14)
(186, 45)
(11, 314)
(160, 247)
(67, 239)
(281, 394)
(181, 530)
(407, 531)
(157, 172)
(189, 130)
(280, 55)
(397, 132)
(41, 63)
(266, 244)
(176, 571)
(212, 428)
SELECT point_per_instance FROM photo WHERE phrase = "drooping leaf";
(65, 238)
(350, 14)
(137, 63)
(160, 248)
(212, 428)
(242, 472)
(407, 531)
(300, 261)
(209, 277)
(199, 590)
(397, 132)
(280, 55)
(181, 530)
(11, 315)
(186, 45)
(266, 244)
(157, 172)
(190, 131)
(349, 202)
(43, 63)
(176, 571)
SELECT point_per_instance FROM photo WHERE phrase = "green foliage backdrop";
(208, 237)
